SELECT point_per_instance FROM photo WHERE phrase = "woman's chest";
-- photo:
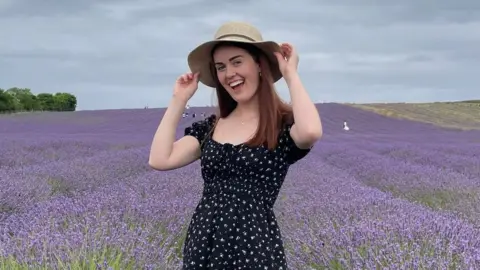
(241, 158)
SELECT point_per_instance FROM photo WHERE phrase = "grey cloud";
(350, 51)
(24, 8)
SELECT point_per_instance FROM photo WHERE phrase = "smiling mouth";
(236, 84)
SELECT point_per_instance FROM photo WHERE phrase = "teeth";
(235, 83)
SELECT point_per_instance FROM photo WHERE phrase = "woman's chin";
(241, 95)
(242, 98)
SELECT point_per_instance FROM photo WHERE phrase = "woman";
(245, 150)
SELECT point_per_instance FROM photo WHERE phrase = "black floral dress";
(234, 226)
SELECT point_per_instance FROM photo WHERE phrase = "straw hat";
(199, 60)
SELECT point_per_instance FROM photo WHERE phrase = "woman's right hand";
(185, 86)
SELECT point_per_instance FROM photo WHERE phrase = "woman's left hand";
(287, 59)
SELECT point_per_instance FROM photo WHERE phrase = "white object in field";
(187, 107)
(345, 126)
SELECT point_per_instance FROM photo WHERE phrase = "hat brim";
(199, 59)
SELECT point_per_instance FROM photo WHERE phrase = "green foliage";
(22, 99)
(470, 101)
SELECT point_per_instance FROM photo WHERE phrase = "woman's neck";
(247, 110)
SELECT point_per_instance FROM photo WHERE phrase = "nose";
(230, 72)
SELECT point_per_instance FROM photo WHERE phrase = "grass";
(438, 199)
(59, 186)
(108, 258)
(441, 199)
(464, 115)
(104, 257)
(410, 249)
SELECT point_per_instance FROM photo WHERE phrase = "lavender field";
(76, 192)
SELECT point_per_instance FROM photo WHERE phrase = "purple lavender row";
(327, 218)
(141, 217)
(331, 219)
(439, 188)
(463, 158)
(24, 186)
(329, 215)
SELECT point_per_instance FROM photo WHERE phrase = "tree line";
(22, 99)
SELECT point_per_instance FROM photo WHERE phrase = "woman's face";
(238, 72)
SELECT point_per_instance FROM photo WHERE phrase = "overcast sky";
(127, 54)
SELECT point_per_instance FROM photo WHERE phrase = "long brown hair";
(274, 112)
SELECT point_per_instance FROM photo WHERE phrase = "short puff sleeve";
(200, 129)
(292, 152)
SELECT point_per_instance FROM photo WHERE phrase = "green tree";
(24, 99)
(18, 99)
(64, 102)
(6, 101)
(46, 101)
(15, 93)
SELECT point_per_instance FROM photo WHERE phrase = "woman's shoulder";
(210, 119)
(205, 122)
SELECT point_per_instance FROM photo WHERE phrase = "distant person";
(345, 126)
(234, 225)
(193, 115)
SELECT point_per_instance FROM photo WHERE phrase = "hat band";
(236, 35)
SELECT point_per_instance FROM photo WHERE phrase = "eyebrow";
(231, 58)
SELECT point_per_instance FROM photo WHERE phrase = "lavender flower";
(391, 194)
